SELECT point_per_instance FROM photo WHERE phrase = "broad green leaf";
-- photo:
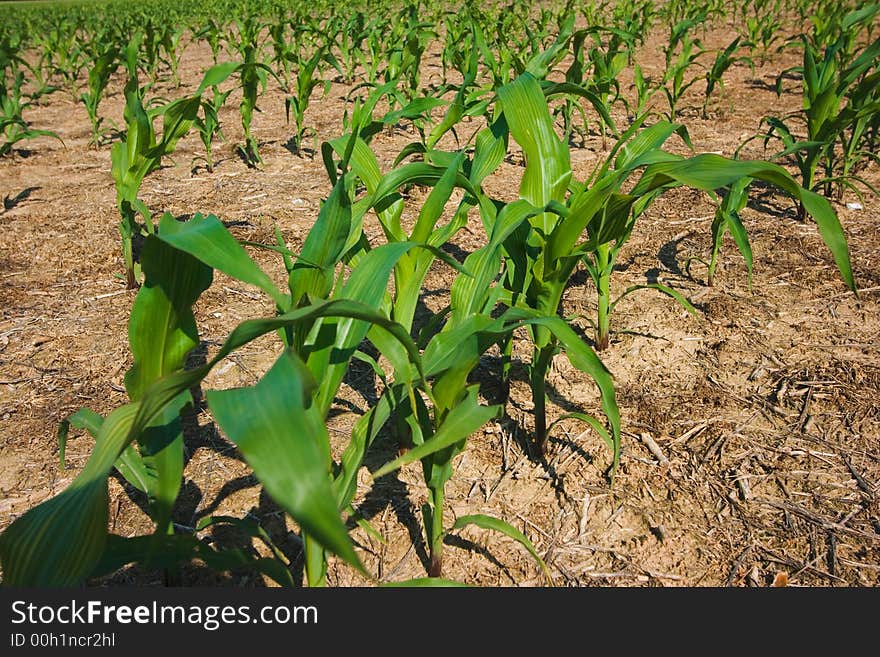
(425, 582)
(710, 172)
(162, 328)
(548, 168)
(324, 246)
(281, 433)
(461, 422)
(207, 239)
(217, 74)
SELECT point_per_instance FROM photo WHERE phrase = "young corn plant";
(433, 427)
(285, 440)
(608, 61)
(141, 152)
(727, 220)
(208, 124)
(645, 89)
(13, 127)
(541, 258)
(724, 59)
(212, 32)
(100, 70)
(169, 41)
(765, 29)
(253, 74)
(306, 83)
(674, 84)
(839, 100)
(319, 347)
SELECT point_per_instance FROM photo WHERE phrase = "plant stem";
(126, 228)
(438, 496)
(315, 562)
(540, 365)
(506, 356)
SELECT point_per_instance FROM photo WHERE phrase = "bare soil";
(764, 408)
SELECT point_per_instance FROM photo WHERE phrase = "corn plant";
(141, 152)
(541, 258)
(726, 220)
(764, 29)
(252, 74)
(208, 124)
(674, 84)
(212, 32)
(66, 56)
(839, 100)
(350, 34)
(607, 61)
(13, 103)
(169, 41)
(724, 59)
(283, 50)
(645, 90)
(101, 68)
(305, 84)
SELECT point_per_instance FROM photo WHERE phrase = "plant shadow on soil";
(9, 202)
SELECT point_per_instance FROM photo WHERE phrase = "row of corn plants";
(338, 299)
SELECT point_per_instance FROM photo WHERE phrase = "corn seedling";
(674, 84)
(208, 124)
(839, 101)
(13, 127)
(252, 75)
(141, 152)
(305, 84)
(101, 68)
(724, 59)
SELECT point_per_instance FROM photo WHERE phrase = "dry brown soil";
(764, 407)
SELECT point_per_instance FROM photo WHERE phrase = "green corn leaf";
(324, 247)
(177, 119)
(332, 342)
(84, 418)
(130, 464)
(665, 289)
(496, 524)
(469, 294)
(465, 418)
(552, 89)
(490, 149)
(162, 328)
(162, 331)
(207, 239)
(710, 172)
(425, 582)
(362, 435)
(595, 424)
(217, 74)
(548, 168)
(281, 433)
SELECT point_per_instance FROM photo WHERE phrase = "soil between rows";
(765, 407)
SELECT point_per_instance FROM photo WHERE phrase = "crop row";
(534, 82)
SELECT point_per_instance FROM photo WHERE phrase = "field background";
(765, 407)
